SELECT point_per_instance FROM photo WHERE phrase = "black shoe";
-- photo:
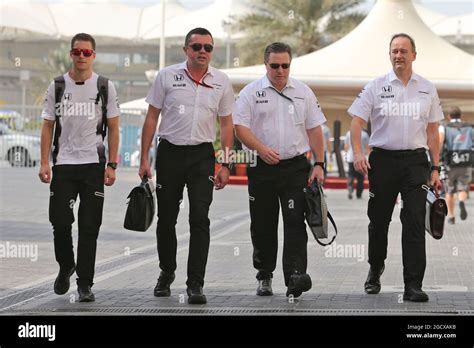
(462, 208)
(265, 287)
(415, 294)
(451, 221)
(162, 288)
(372, 284)
(298, 284)
(85, 293)
(195, 294)
(62, 282)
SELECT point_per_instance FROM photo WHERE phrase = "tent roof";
(114, 19)
(362, 55)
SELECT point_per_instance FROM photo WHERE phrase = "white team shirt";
(276, 121)
(188, 110)
(399, 114)
(79, 141)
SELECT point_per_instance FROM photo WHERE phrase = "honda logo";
(387, 89)
(67, 96)
(261, 94)
(179, 77)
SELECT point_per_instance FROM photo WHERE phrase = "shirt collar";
(184, 66)
(392, 76)
(267, 84)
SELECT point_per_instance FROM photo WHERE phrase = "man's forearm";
(148, 131)
(46, 140)
(433, 143)
(356, 133)
(247, 138)
(316, 143)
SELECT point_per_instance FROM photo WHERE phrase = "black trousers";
(269, 186)
(69, 181)
(353, 174)
(396, 172)
(177, 166)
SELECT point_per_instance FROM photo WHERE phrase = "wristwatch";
(438, 168)
(228, 165)
(321, 164)
(112, 165)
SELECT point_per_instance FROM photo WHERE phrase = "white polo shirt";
(277, 121)
(79, 142)
(189, 110)
(399, 114)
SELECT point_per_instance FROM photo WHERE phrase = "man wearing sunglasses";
(78, 162)
(280, 118)
(188, 97)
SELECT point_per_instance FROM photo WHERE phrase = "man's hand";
(222, 178)
(144, 169)
(435, 182)
(361, 164)
(109, 176)
(318, 174)
(269, 155)
(45, 173)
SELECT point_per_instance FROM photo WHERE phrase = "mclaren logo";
(261, 94)
(179, 77)
(387, 89)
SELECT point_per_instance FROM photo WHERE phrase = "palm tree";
(306, 25)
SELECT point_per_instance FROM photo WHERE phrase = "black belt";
(399, 152)
(294, 159)
(163, 140)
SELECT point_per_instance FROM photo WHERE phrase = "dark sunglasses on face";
(85, 51)
(276, 65)
(197, 47)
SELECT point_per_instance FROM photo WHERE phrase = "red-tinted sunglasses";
(85, 51)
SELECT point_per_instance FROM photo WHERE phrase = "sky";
(446, 7)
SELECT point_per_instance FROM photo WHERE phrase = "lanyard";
(283, 95)
(197, 82)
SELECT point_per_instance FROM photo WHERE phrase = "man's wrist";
(112, 165)
(435, 168)
(229, 166)
(319, 164)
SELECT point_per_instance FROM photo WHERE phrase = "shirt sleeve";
(315, 116)
(49, 111)
(113, 106)
(156, 94)
(226, 104)
(242, 111)
(436, 112)
(364, 103)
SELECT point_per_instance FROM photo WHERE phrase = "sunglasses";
(276, 65)
(85, 51)
(197, 47)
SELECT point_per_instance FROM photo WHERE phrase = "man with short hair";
(456, 142)
(404, 111)
(280, 118)
(79, 162)
(188, 96)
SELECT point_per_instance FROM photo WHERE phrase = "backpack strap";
(59, 86)
(103, 96)
(334, 237)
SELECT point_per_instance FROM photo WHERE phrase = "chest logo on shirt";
(68, 96)
(261, 94)
(387, 92)
(179, 77)
(387, 89)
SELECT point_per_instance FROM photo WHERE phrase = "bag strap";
(59, 86)
(103, 96)
(334, 237)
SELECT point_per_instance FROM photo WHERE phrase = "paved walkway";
(127, 265)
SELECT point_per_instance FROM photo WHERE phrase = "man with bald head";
(404, 111)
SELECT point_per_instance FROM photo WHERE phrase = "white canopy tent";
(363, 54)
